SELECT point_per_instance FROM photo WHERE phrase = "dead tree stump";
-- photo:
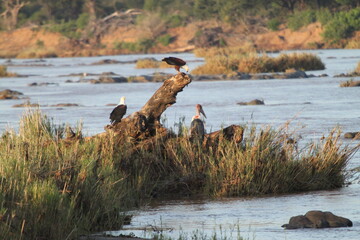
(144, 129)
(145, 123)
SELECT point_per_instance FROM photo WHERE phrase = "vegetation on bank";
(76, 19)
(56, 188)
(228, 61)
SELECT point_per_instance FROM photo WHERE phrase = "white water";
(317, 104)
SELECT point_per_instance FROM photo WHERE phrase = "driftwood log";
(143, 127)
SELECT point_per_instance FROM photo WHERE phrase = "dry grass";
(357, 69)
(350, 83)
(151, 63)
(5, 73)
(54, 189)
(226, 61)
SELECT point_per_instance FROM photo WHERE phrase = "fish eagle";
(118, 112)
(197, 128)
(177, 62)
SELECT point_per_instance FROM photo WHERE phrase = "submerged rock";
(109, 79)
(9, 94)
(65, 105)
(317, 219)
(26, 104)
(252, 102)
(35, 84)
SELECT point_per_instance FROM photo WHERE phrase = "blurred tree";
(62, 10)
(287, 4)
(205, 9)
(349, 3)
(11, 12)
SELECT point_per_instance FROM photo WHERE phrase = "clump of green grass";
(56, 188)
(5, 73)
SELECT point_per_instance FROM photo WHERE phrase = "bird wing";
(117, 113)
(174, 61)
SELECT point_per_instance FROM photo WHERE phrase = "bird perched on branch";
(118, 112)
(197, 128)
(177, 62)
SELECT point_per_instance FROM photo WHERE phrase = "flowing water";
(314, 106)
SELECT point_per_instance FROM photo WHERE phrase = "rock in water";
(317, 219)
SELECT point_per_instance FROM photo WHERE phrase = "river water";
(313, 106)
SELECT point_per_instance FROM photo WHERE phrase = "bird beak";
(202, 111)
(186, 68)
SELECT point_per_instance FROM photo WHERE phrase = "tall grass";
(227, 61)
(52, 188)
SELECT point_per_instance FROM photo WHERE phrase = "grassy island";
(55, 188)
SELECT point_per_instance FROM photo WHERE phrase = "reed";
(357, 69)
(51, 188)
(228, 61)
(5, 73)
(350, 83)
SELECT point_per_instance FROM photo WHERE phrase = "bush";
(142, 46)
(165, 40)
(273, 24)
(324, 16)
(82, 21)
(301, 19)
(175, 21)
(68, 29)
(342, 25)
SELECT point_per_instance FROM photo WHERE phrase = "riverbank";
(36, 42)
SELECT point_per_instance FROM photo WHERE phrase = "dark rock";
(252, 102)
(298, 222)
(352, 135)
(35, 84)
(109, 79)
(10, 94)
(65, 105)
(295, 74)
(112, 61)
(317, 219)
(26, 104)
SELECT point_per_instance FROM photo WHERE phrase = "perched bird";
(179, 63)
(118, 112)
(197, 129)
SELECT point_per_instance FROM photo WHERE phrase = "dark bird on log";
(177, 62)
(118, 112)
(197, 129)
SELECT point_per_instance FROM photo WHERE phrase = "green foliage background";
(340, 17)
